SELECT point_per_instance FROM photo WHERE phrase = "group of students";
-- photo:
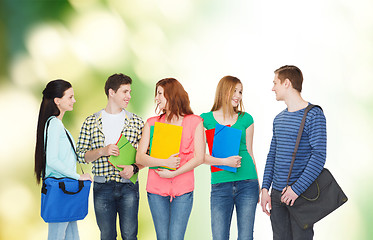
(170, 193)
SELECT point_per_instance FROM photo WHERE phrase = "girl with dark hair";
(60, 157)
(232, 189)
(170, 193)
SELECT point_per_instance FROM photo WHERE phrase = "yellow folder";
(127, 156)
(166, 141)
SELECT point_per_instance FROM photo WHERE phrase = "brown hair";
(115, 81)
(293, 73)
(177, 98)
(223, 95)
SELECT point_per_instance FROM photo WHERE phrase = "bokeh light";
(198, 42)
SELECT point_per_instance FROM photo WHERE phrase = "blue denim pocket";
(97, 186)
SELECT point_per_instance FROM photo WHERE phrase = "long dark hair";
(48, 108)
(177, 98)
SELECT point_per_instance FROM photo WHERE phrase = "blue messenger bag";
(64, 199)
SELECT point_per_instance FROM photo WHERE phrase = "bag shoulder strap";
(72, 145)
(301, 127)
(71, 142)
(45, 147)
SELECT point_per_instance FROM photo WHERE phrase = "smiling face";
(160, 99)
(122, 96)
(278, 88)
(66, 103)
(237, 95)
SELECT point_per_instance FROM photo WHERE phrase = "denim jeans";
(170, 217)
(284, 226)
(112, 198)
(224, 196)
(63, 231)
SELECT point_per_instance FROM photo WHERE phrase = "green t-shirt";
(247, 169)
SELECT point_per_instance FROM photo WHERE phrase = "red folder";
(210, 139)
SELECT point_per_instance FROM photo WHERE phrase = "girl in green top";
(229, 189)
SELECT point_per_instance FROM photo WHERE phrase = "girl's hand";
(233, 161)
(85, 176)
(165, 173)
(173, 161)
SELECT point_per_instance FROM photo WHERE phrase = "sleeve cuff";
(297, 190)
(77, 176)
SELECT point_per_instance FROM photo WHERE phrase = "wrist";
(135, 168)
(221, 161)
(101, 152)
(173, 173)
(166, 163)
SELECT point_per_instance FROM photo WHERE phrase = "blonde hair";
(224, 94)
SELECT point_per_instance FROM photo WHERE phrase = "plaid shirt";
(92, 137)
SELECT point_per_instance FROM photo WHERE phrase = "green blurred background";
(197, 42)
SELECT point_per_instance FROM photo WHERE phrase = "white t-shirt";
(112, 126)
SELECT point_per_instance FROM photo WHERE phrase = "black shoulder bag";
(322, 197)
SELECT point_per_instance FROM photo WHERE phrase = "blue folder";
(226, 144)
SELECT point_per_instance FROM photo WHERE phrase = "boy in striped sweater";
(309, 161)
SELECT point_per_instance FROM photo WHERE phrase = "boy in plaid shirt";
(113, 192)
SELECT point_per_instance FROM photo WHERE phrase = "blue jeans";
(112, 198)
(224, 196)
(284, 226)
(63, 231)
(170, 218)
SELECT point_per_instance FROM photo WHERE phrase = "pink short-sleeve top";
(183, 183)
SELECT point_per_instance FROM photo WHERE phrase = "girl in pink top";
(170, 193)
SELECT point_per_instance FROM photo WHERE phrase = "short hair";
(223, 96)
(177, 98)
(293, 73)
(115, 81)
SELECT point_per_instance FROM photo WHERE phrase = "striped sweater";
(311, 154)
